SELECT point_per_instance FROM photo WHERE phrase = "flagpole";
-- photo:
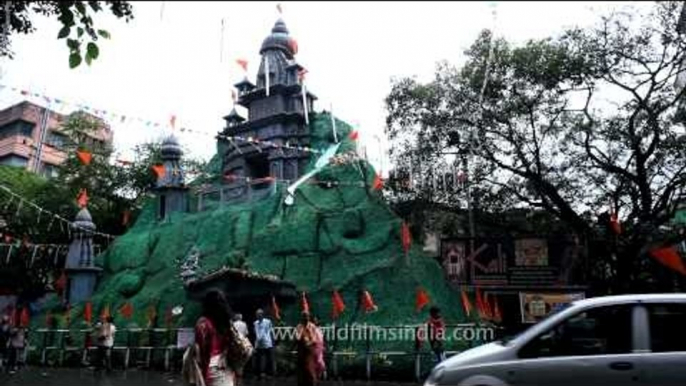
(305, 108)
(266, 73)
(333, 125)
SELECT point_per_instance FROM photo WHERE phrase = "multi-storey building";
(31, 136)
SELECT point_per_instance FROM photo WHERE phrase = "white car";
(614, 340)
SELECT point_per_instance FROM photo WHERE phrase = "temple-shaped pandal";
(276, 114)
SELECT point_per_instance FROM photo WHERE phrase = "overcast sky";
(167, 60)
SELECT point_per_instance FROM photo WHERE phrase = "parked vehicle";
(613, 340)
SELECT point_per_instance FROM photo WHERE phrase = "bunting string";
(170, 123)
(62, 220)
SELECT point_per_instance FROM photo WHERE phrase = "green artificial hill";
(341, 237)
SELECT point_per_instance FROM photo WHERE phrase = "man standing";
(264, 343)
(106, 332)
(436, 327)
(242, 329)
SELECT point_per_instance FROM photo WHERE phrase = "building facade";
(21, 132)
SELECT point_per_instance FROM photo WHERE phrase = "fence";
(351, 350)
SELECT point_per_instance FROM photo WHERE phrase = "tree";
(582, 126)
(76, 17)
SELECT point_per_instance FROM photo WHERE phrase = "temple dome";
(83, 221)
(279, 39)
(171, 148)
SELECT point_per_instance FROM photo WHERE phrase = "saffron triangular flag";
(105, 312)
(276, 311)
(497, 316)
(304, 304)
(24, 319)
(243, 63)
(378, 183)
(405, 237)
(127, 310)
(480, 304)
(88, 312)
(487, 307)
(338, 306)
(421, 299)
(466, 304)
(615, 224)
(368, 303)
(126, 217)
(84, 156)
(670, 257)
(151, 314)
(82, 199)
(354, 135)
(293, 45)
(159, 170)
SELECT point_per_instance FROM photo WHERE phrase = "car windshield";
(505, 341)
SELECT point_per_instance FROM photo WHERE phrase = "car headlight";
(435, 377)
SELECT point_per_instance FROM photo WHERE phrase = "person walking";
(264, 344)
(242, 329)
(106, 332)
(16, 347)
(307, 339)
(4, 340)
(214, 332)
(436, 333)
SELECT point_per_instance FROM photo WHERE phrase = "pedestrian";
(319, 349)
(106, 332)
(240, 325)
(307, 339)
(264, 343)
(4, 339)
(16, 348)
(436, 333)
(242, 329)
(213, 334)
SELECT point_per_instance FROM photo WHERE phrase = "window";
(667, 322)
(56, 140)
(599, 331)
(49, 171)
(14, 160)
(21, 128)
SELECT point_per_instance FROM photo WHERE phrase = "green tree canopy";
(574, 125)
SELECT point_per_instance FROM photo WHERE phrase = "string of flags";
(101, 113)
(61, 221)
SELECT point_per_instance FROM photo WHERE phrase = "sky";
(174, 58)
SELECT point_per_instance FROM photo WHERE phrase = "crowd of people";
(222, 347)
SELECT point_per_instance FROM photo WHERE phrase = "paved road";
(85, 377)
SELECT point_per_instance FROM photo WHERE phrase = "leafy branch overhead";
(76, 17)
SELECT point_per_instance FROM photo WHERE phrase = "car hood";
(476, 355)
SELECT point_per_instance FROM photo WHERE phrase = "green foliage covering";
(341, 237)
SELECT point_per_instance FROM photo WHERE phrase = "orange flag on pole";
(421, 299)
(84, 156)
(24, 319)
(670, 257)
(127, 310)
(105, 312)
(406, 237)
(466, 304)
(338, 305)
(159, 170)
(82, 199)
(487, 308)
(304, 304)
(243, 63)
(497, 316)
(480, 304)
(88, 312)
(368, 303)
(378, 183)
(276, 311)
(354, 135)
